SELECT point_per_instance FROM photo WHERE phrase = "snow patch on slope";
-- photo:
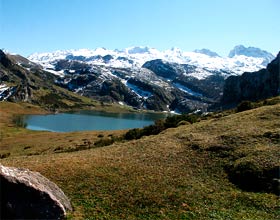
(6, 91)
(141, 93)
(187, 90)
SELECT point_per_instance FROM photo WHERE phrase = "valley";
(204, 165)
(139, 110)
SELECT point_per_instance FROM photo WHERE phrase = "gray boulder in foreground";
(29, 195)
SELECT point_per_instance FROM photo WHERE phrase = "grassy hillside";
(190, 172)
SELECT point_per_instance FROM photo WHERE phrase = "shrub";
(244, 106)
(5, 155)
(160, 125)
(18, 121)
(133, 134)
(104, 142)
(272, 101)
(173, 121)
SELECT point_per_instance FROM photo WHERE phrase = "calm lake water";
(89, 120)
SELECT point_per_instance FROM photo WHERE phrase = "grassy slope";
(178, 174)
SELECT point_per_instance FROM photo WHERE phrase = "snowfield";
(135, 57)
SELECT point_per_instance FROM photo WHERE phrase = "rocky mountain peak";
(4, 60)
(207, 52)
(138, 50)
(249, 52)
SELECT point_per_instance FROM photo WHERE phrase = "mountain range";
(146, 78)
(239, 60)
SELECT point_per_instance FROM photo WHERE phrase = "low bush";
(18, 121)
(133, 134)
(104, 142)
(244, 106)
(4, 155)
(272, 101)
(173, 121)
(161, 125)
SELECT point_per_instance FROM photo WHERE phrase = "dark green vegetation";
(161, 125)
(18, 121)
(223, 166)
(247, 105)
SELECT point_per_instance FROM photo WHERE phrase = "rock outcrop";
(253, 86)
(29, 195)
(4, 60)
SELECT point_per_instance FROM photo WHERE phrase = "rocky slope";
(146, 78)
(18, 83)
(253, 86)
(22, 80)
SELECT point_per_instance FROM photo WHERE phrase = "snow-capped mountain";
(240, 50)
(250, 52)
(254, 86)
(207, 52)
(135, 57)
(146, 78)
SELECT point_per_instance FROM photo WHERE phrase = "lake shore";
(18, 141)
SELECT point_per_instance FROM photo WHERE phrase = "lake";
(90, 120)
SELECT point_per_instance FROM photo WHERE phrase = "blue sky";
(28, 26)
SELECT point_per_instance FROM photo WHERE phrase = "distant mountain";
(135, 57)
(253, 86)
(138, 50)
(146, 78)
(251, 52)
(137, 87)
(141, 77)
(207, 52)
